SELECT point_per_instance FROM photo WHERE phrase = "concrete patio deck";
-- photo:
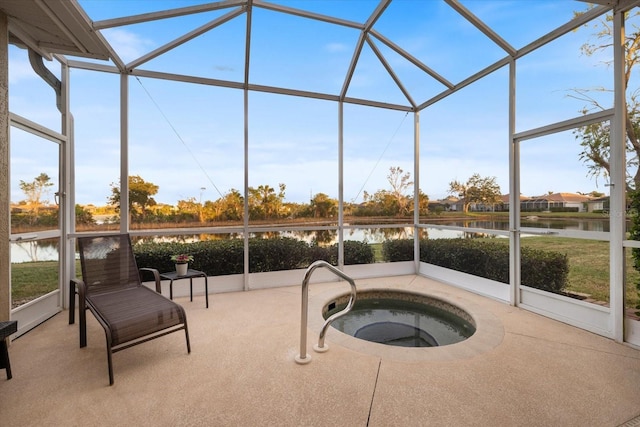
(520, 369)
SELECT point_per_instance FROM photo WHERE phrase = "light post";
(202, 189)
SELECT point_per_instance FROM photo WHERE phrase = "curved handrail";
(303, 357)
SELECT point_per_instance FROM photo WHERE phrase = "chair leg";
(72, 303)
(110, 363)
(83, 326)
(186, 333)
(4, 358)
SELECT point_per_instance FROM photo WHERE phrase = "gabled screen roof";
(324, 49)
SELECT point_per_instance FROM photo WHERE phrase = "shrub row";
(634, 234)
(546, 270)
(223, 257)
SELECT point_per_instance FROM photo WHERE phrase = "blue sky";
(188, 139)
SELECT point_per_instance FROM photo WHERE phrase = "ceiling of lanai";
(249, 43)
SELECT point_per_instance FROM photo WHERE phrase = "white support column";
(246, 192)
(340, 184)
(618, 183)
(416, 191)
(514, 193)
(5, 191)
(247, 57)
(125, 215)
(66, 190)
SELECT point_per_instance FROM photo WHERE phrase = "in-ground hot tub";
(401, 318)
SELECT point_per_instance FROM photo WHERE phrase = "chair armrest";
(156, 277)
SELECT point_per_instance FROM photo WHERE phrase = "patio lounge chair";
(129, 312)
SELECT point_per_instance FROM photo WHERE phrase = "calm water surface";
(48, 250)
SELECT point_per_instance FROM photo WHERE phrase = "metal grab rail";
(303, 357)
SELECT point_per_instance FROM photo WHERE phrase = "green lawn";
(588, 265)
(30, 280)
(377, 251)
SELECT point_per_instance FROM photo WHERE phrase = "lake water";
(45, 250)
(48, 250)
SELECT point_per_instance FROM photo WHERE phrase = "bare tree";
(594, 138)
(35, 190)
(400, 183)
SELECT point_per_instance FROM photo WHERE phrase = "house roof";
(561, 197)
(566, 197)
(53, 27)
(505, 198)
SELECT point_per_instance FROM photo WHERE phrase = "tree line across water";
(264, 203)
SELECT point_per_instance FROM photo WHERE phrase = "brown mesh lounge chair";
(129, 312)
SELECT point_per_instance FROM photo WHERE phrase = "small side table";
(172, 275)
(6, 329)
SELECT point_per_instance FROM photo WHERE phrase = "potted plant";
(182, 263)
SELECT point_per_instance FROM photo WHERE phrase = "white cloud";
(20, 70)
(129, 45)
(337, 47)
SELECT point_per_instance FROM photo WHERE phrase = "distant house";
(504, 202)
(548, 202)
(570, 202)
(449, 203)
(458, 205)
(598, 204)
(557, 201)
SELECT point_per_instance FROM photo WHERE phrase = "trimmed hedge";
(354, 253)
(224, 257)
(397, 250)
(214, 257)
(546, 270)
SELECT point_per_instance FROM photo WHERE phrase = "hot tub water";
(402, 319)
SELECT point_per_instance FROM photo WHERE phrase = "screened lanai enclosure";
(326, 122)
